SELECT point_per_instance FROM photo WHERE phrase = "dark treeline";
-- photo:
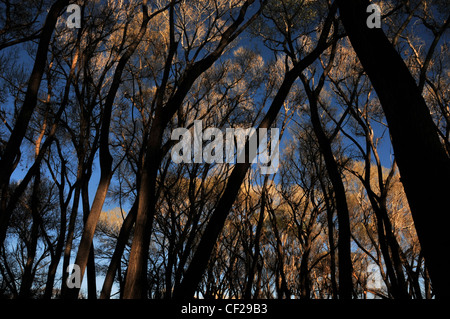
(357, 208)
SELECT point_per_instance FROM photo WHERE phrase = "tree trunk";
(282, 286)
(305, 282)
(114, 264)
(255, 256)
(105, 156)
(27, 277)
(344, 256)
(422, 161)
(91, 276)
(334, 174)
(330, 227)
(56, 255)
(136, 280)
(10, 155)
(71, 227)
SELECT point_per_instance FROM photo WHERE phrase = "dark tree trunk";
(334, 174)
(57, 252)
(114, 264)
(106, 159)
(91, 276)
(344, 256)
(136, 280)
(12, 150)
(397, 287)
(282, 286)
(28, 275)
(422, 161)
(305, 282)
(330, 227)
(56, 256)
(255, 256)
(71, 227)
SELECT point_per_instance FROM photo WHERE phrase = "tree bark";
(422, 161)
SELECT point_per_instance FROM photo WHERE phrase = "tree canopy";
(357, 204)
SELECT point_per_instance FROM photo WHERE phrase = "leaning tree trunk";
(12, 149)
(106, 159)
(256, 245)
(114, 265)
(334, 174)
(28, 275)
(91, 276)
(422, 161)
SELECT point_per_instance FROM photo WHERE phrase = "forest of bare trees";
(93, 204)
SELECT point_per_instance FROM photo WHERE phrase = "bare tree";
(414, 136)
